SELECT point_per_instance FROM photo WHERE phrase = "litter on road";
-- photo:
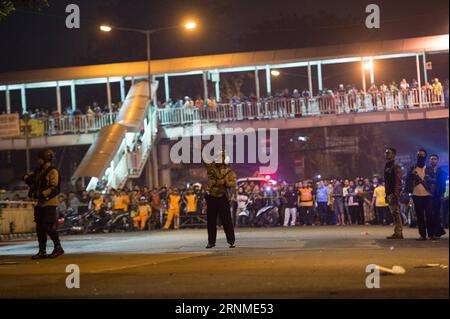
(396, 270)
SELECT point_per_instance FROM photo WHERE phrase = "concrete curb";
(17, 236)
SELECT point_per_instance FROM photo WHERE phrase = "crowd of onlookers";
(360, 201)
(92, 109)
(432, 93)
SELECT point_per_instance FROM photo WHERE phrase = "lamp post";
(26, 130)
(188, 26)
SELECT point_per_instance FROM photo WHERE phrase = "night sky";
(33, 40)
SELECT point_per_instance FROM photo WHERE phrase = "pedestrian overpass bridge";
(123, 143)
(284, 113)
(122, 147)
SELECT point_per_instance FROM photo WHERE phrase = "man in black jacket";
(393, 185)
(420, 183)
(440, 178)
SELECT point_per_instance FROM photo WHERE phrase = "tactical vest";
(43, 184)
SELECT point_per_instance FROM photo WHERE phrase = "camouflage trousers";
(394, 207)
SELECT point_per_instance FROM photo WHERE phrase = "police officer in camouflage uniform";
(220, 180)
(393, 185)
(44, 185)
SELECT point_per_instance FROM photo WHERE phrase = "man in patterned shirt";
(220, 180)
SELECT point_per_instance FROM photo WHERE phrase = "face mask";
(421, 161)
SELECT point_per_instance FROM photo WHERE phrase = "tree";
(7, 7)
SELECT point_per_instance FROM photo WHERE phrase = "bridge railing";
(300, 107)
(77, 124)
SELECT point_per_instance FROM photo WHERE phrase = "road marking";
(147, 263)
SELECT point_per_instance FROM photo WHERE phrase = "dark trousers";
(45, 219)
(438, 230)
(155, 217)
(445, 213)
(362, 219)
(323, 212)
(219, 206)
(354, 213)
(382, 213)
(424, 212)
(306, 215)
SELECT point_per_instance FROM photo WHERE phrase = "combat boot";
(58, 251)
(395, 236)
(42, 254)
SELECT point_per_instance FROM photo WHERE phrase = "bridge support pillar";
(23, 99)
(164, 150)
(73, 96)
(122, 89)
(149, 173)
(419, 78)
(155, 166)
(268, 80)
(217, 84)
(310, 85)
(58, 99)
(363, 75)
(8, 101)
(319, 76)
(258, 90)
(205, 86)
(167, 87)
(372, 72)
(425, 72)
(108, 94)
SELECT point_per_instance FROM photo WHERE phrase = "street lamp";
(105, 28)
(368, 65)
(190, 25)
(275, 73)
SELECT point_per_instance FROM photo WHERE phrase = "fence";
(16, 217)
(300, 107)
(76, 124)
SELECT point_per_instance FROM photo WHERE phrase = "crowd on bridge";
(91, 109)
(281, 104)
(432, 93)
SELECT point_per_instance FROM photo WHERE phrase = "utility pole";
(26, 130)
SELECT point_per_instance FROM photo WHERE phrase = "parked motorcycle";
(120, 222)
(267, 216)
(245, 217)
(71, 223)
(97, 222)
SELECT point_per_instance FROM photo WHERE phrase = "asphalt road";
(300, 262)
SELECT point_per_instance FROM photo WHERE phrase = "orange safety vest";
(98, 202)
(306, 196)
(144, 210)
(174, 201)
(191, 205)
